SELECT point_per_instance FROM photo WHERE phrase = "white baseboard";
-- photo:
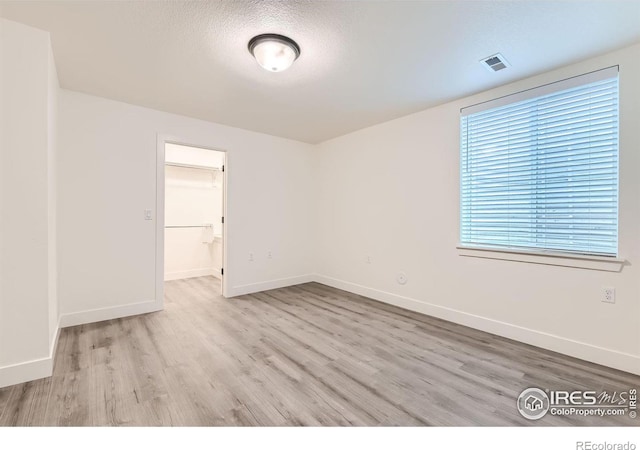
(40, 368)
(599, 355)
(43, 367)
(30, 370)
(115, 312)
(191, 273)
(267, 285)
(26, 371)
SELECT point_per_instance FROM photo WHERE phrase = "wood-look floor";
(303, 355)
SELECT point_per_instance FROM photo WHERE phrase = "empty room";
(323, 214)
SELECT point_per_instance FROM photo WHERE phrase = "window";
(539, 169)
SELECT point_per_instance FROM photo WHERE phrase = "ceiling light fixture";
(274, 52)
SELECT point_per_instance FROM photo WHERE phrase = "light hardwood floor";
(303, 355)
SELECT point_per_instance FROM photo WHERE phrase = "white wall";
(392, 192)
(52, 199)
(107, 178)
(28, 310)
(193, 197)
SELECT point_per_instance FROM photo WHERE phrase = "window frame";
(536, 254)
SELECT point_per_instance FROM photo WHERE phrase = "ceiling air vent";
(495, 62)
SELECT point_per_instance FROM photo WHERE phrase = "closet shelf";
(188, 226)
(193, 166)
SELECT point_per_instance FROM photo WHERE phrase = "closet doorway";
(192, 211)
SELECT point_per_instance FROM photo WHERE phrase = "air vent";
(495, 62)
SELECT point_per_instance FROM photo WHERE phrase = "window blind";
(540, 170)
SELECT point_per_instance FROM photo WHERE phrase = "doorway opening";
(191, 214)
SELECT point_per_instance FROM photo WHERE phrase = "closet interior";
(194, 212)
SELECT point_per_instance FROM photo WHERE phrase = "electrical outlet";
(609, 295)
(250, 256)
(367, 259)
(269, 255)
(147, 214)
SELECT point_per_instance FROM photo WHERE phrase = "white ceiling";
(362, 62)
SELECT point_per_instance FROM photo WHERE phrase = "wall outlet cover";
(609, 294)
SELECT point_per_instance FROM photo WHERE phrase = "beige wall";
(391, 192)
(52, 193)
(28, 304)
(107, 178)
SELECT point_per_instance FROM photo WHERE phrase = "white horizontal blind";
(542, 173)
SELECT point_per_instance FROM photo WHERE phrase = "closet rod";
(192, 166)
(188, 226)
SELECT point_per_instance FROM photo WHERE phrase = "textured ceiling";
(362, 62)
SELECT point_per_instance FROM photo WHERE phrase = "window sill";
(604, 263)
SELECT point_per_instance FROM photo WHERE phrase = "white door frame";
(160, 193)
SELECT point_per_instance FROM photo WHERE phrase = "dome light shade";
(274, 52)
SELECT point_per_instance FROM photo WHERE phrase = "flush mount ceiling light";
(274, 52)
